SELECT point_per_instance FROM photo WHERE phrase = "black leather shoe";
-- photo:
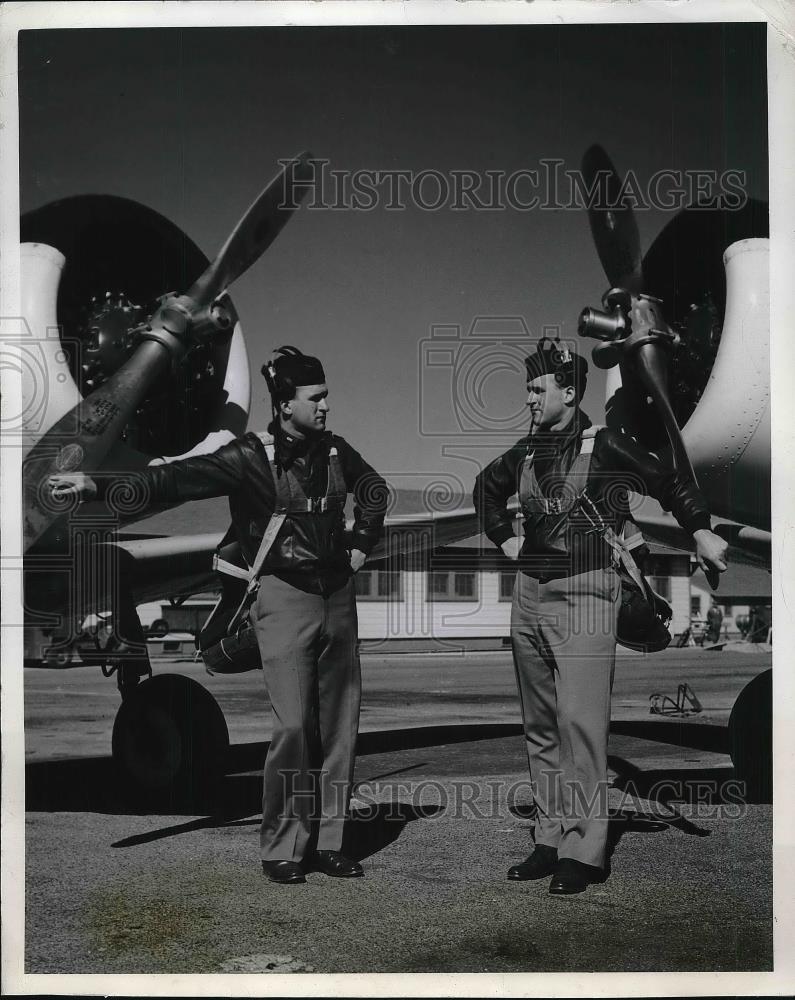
(573, 876)
(541, 863)
(336, 864)
(283, 872)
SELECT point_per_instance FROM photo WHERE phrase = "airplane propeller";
(631, 327)
(613, 225)
(81, 439)
(255, 232)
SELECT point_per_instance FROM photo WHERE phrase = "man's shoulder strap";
(269, 443)
(589, 437)
(581, 466)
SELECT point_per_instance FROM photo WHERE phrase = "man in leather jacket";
(305, 611)
(566, 600)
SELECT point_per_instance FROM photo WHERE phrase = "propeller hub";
(627, 323)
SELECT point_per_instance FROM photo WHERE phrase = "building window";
(661, 585)
(695, 607)
(378, 585)
(507, 580)
(452, 586)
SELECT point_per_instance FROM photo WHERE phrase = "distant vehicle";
(159, 627)
(171, 645)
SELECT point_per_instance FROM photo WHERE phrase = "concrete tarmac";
(441, 810)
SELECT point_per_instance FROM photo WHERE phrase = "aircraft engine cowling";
(711, 270)
(93, 269)
(728, 435)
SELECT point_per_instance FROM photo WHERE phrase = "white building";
(461, 597)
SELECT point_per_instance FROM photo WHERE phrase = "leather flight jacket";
(310, 552)
(562, 534)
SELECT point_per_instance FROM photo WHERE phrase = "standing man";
(714, 622)
(305, 611)
(566, 601)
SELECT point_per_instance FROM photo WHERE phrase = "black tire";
(170, 741)
(751, 738)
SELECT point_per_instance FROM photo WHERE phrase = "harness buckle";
(591, 513)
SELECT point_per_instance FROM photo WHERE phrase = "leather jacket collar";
(547, 444)
(289, 448)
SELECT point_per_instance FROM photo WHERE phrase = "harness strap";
(275, 523)
(624, 556)
(632, 538)
(286, 501)
(290, 497)
(536, 503)
(224, 566)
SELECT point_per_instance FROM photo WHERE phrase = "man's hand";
(511, 547)
(73, 484)
(711, 555)
(357, 559)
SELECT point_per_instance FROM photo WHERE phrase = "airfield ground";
(441, 811)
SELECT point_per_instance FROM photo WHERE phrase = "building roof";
(740, 584)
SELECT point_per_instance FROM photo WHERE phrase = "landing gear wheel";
(751, 738)
(170, 741)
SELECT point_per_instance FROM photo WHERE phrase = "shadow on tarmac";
(92, 785)
(671, 788)
(694, 735)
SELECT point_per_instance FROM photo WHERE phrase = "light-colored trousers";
(310, 659)
(563, 638)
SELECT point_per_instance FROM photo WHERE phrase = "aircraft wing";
(167, 566)
(413, 534)
(177, 565)
(162, 566)
(750, 546)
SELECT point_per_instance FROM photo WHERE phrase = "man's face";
(306, 411)
(549, 404)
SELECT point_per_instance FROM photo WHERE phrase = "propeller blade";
(255, 232)
(81, 439)
(651, 363)
(613, 225)
(83, 436)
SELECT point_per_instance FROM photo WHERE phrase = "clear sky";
(192, 122)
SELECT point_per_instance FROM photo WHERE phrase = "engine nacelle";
(93, 268)
(723, 405)
(728, 435)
